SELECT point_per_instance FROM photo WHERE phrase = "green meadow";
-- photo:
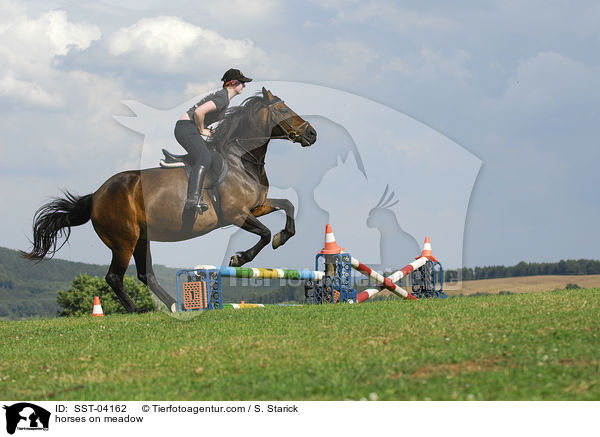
(537, 346)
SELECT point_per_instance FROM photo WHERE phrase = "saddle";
(216, 173)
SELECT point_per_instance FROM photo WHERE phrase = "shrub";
(79, 299)
(571, 286)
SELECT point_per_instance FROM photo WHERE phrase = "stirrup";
(195, 206)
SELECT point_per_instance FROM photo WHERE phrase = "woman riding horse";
(135, 207)
(193, 124)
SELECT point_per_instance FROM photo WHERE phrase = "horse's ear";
(267, 94)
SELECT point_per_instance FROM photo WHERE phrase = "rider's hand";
(206, 132)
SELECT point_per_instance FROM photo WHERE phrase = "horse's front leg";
(251, 224)
(271, 205)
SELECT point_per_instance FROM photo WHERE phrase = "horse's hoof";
(280, 239)
(277, 240)
(234, 261)
(141, 310)
(238, 260)
(174, 308)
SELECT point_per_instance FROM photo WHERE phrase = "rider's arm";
(200, 112)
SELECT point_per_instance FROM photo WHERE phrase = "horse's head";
(285, 123)
(262, 117)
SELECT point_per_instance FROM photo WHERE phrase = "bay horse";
(135, 207)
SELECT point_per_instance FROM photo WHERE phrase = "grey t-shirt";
(221, 101)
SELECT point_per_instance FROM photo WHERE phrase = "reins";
(290, 135)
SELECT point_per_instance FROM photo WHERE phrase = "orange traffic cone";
(97, 311)
(331, 246)
(427, 252)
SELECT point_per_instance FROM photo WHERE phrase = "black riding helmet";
(234, 74)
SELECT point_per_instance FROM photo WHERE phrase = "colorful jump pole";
(377, 277)
(394, 277)
(201, 289)
(248, 272)
(238, 306)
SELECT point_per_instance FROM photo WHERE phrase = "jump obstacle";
(200, 288)
(427, 276)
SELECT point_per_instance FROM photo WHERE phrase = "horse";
(135, 207)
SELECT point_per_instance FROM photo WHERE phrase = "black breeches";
(186, 134)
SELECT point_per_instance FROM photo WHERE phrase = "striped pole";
(394, 277)
(248, 272)
(385, 282)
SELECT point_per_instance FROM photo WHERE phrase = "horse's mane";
(236, 119)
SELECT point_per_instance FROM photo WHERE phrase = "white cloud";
(26, 43)
(549, 81)
(28, 91)
(169, 43)
(350, 59)
(197, 89)
(164, 36)
(30, 49)
(62, 34)
(380, 11)
(246, 9)
(431, 65)
(69, 106)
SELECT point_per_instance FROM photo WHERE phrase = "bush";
(571, 286)
(79, 300)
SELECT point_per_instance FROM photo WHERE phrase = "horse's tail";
(54, 220)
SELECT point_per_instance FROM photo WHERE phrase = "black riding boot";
(195, 202)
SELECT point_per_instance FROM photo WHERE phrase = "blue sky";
(516, 85)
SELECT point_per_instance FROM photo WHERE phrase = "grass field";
(523, 284)
(538, 346)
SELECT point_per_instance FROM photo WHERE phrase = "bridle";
(290, 134)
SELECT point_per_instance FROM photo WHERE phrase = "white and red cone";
(97, 311)
(331, 246)
(427, 252)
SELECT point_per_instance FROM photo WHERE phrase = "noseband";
(291, 133)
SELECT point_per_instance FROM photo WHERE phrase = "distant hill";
(28, 289)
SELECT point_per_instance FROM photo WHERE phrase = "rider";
(193, 124)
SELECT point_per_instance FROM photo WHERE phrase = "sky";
(494, 109)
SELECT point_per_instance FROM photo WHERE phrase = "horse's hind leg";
(251, 224)
(289, 230)
(114, 277)
(143, 264)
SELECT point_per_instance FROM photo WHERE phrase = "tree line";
(562, 267)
